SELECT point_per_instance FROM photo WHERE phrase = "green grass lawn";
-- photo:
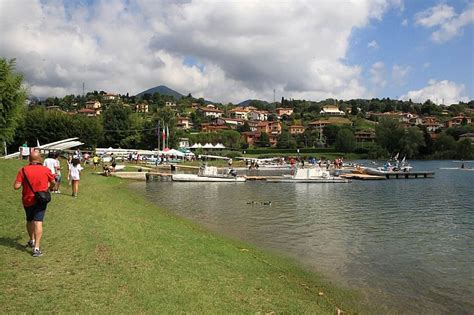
(112, 251)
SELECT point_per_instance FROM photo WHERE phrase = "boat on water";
(209, 174)
(309, 175)
(389, 168)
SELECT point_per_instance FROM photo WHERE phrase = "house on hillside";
(141, 108)
(213, 127)
(296, 129)
(87, 112)
(210, 112)
(319, 124)
(233, 123)
(431, 123)
(260, 115)
(183, 123)
(283, 111)
(109, 97)
(458, 121)
(331, 110)
(365, 135)
(170, 104)
(251, 137)
(270, 127)
(238, 113)
(94, 106)
(253, 124)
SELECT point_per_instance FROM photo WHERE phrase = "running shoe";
(37, 253)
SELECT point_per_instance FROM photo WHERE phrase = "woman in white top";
(74, 175)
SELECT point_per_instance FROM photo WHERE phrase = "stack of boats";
(313, 174)
(209, 174)
(309, 175)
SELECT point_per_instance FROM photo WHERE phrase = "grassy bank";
(112, 251)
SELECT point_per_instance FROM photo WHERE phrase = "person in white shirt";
(50, 163)
(75, 169)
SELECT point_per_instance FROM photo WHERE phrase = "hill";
(247, 102)
(163, 90)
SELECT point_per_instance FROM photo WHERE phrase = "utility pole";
(273, 95)
(83, 89)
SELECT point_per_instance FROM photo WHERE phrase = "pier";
(408, 175)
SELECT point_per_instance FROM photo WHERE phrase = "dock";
(409, 175)
(157, 176)
(359, 176)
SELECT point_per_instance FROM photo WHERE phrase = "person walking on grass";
(75, 169)
(39, 178)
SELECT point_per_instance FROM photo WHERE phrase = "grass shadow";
(13, 243)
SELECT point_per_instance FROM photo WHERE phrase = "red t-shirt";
(39, 176)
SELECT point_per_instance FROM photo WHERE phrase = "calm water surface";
(407, 245)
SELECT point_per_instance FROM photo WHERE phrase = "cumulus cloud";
(435, 16)
(378, 72)
(404, 22)
(440, 92)
(447, 22)
(241, 49)
(372, 45)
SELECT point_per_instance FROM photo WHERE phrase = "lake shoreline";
(112, 250)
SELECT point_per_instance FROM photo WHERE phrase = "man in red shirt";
(40, 178)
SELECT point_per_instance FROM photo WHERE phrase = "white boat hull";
(197, 178)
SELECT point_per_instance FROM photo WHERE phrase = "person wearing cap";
(40, 178)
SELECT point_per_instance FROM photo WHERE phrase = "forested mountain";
(163, 90)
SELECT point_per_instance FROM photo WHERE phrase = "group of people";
(36, 180)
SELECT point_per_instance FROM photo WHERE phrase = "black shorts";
(35, 212)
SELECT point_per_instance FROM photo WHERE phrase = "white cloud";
(449, 24)
(373, 45)
(439, 92)
(427, 65)
(404, 22)
(399, 74)
(244, 48)
(379, 74)
(434, 16)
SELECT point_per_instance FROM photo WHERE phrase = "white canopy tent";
(219, 146)
(208, 146)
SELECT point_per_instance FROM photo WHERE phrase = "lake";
(406, 245)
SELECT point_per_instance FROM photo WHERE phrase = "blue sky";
(233, 50)
(409, 45)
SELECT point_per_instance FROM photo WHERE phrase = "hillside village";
(285, 124)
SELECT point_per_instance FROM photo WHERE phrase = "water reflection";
(407, 244)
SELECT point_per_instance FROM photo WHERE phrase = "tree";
(411, 142)
(117, 123)
(464, 149)
(12, 97)
(388, 134)
(345, 141)
(330, 133)
(264, 140)
(284, 140)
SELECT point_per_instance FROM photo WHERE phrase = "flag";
(396, 157)
(168, 135)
